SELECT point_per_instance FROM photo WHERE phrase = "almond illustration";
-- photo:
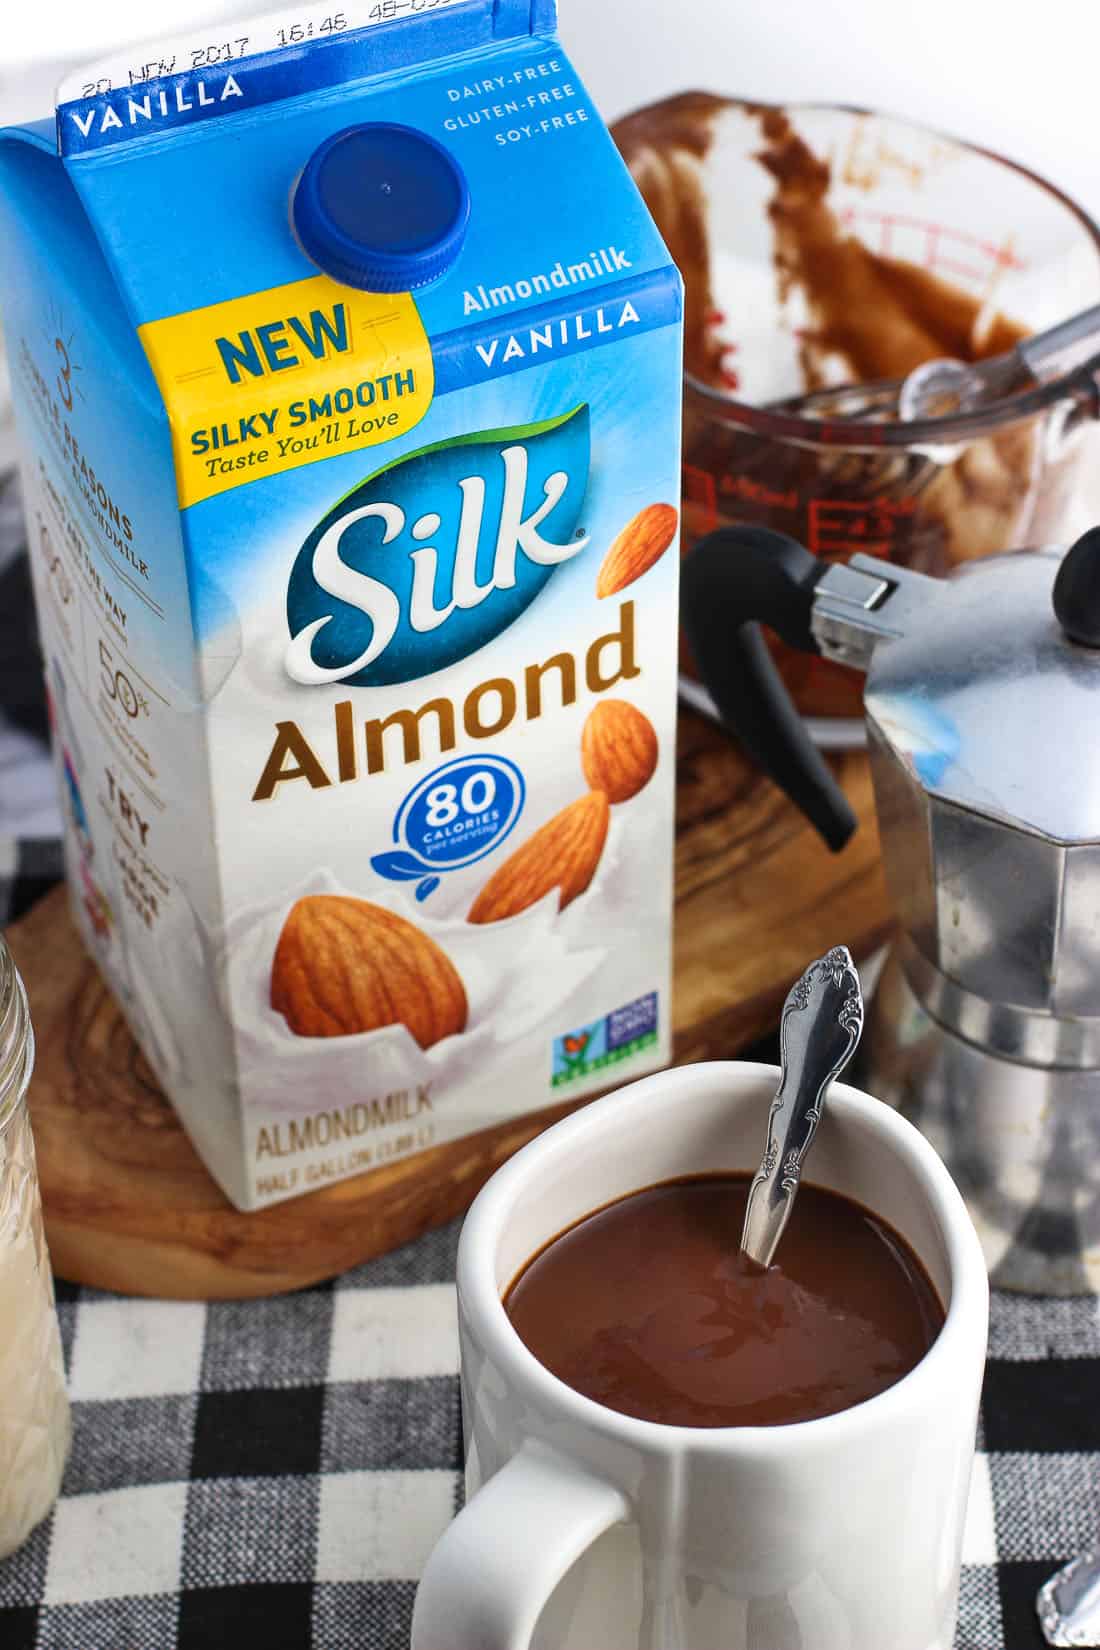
(562, 854)
(343, 966)
(618, 749)
(642, 541)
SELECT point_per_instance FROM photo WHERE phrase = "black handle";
(730, 583)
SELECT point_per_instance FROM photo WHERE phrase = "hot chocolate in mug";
(585, 1528)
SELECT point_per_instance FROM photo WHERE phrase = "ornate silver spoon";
(821, 1025)
(1069, 1603)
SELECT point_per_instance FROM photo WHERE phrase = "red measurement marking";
(840, 527)
(699, 491)
(728, 373)
(885, 222)
(716, 317)
(1003, 256)
(1000, 254)
(965, 272)
(931, 245)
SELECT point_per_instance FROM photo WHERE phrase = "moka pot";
(982, 701)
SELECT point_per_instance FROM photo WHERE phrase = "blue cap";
(382, 207)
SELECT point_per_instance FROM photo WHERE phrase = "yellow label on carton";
(285, 377)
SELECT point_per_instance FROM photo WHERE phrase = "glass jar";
(34, 1407)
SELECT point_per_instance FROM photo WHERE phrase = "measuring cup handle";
(731, 582)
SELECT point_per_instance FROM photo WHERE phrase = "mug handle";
(486, 1582)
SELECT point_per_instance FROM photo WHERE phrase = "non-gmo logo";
(432, 557)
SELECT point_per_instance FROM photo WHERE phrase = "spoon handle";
(1069, 1603)
(1034, 351)
(821, 1025)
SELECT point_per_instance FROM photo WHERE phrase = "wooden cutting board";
(128, 1204)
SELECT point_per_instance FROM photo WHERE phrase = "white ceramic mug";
(585, 1529)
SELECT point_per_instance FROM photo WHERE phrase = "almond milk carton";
(347, 365)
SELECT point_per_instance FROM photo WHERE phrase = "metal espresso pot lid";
(987, 700)
(982, 698)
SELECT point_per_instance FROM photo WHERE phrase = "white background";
(1021, 77)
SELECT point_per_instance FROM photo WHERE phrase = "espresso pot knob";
(1076, 594)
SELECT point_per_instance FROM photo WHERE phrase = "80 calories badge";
(454, 817)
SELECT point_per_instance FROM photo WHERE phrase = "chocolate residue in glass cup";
(664, 147)
(882, 316)
(861, 316)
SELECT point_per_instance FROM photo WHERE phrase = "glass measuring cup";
(823, 246)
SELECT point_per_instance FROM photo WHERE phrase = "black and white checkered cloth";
(275, 1472)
